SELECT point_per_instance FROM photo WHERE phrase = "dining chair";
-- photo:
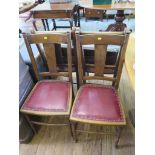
(50, 98)
(99, 104)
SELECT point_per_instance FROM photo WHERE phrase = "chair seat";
(49, 97)
(98, 104)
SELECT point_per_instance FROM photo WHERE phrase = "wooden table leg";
(54, 24)
(34, 24)
(47, 26)
(78, 17)
(75, 19)
(43, 22)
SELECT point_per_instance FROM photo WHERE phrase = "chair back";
(46, 43)
(101, 40)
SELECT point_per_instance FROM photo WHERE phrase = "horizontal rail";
(126, 31)
(54, 74)
(106, 66)
(99, 78)
(93, 132)
(47, 124)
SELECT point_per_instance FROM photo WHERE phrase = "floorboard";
(58, 141)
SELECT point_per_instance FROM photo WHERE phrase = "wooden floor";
(58, 141)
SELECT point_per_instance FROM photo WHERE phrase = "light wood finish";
(114, 6)
(45, 74)
(57, 140)
(101, 40)
(49, 41)
(100, 57)
(51, 57)
(130, 67)
(99, 78)
(31, 57)
(130, 59)
(47, 38)
(37, 123)
(99, 33)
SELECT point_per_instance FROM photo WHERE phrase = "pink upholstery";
(48, 95)
(97, 103)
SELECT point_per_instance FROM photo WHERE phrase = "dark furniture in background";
(119, 17)
(93, 13)
(52, 11)
(26, 58)
(25, 86)
(71, 11)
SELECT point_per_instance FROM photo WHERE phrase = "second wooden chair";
(49, 97)
(97, 104)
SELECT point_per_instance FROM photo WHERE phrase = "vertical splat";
(100, 57)
(50, 56)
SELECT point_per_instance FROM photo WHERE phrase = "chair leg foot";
(74, 125)
(119, 132)
(70, 127)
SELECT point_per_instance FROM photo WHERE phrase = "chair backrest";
(101, 40)
(46, 43)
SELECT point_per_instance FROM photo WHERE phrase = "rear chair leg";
(70, 127)
(31, 125)
(73, 96)
(119, 132)
(74, 125)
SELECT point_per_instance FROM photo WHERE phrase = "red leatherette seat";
(49, 96)
(97, 103)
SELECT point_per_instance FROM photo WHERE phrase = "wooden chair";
(49, 97)
(97, 104)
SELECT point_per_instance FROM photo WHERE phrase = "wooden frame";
(49, 39)
(101, 40)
